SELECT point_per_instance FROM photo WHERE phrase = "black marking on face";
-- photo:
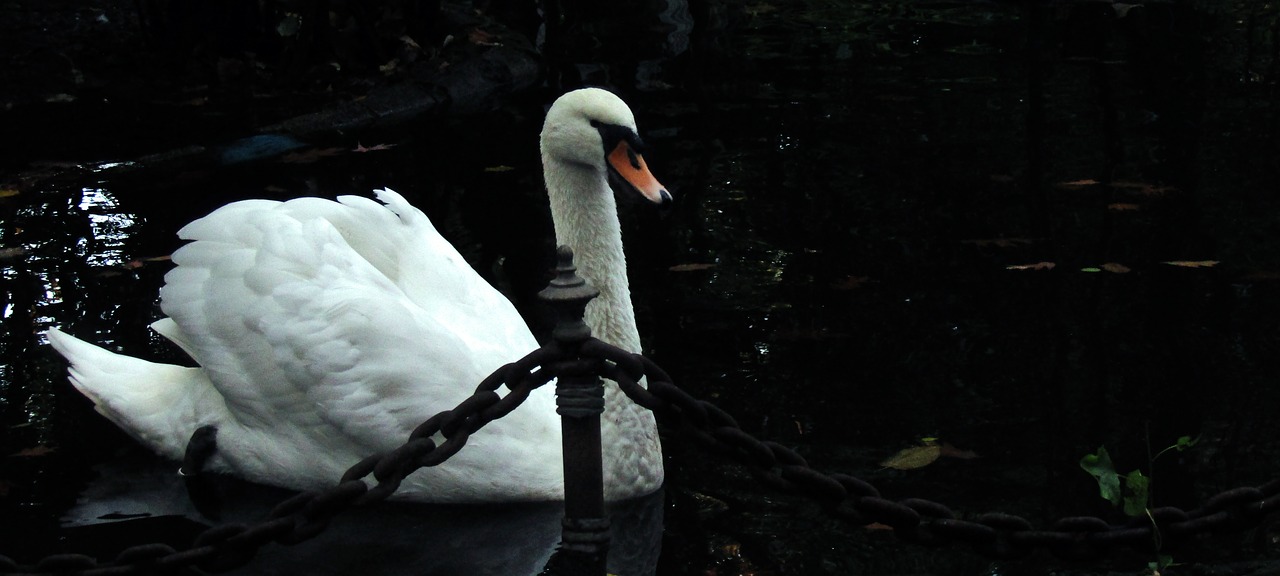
(612, 134)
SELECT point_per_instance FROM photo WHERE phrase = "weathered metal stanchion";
(579, 401)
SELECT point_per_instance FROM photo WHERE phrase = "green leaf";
(1162, 561)
(1091, 269)
(1138, 488)
(289, 25)
(913, 457)
(1183, 443)
(1100, 467)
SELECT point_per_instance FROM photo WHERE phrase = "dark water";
(857, 185)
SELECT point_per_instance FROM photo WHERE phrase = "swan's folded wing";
(350, 319)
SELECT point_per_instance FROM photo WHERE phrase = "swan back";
(331, 329)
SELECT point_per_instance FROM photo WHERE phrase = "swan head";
(593, 129)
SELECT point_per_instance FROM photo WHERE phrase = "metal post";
(579, 401)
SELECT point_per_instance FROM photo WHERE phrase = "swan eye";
(612, 134)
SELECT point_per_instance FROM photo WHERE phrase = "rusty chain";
(913, 519)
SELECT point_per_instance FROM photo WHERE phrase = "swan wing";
(335, 324)
(158, 404)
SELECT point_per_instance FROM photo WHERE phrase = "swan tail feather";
(160, 405)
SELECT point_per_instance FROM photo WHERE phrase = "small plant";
(1132, 492)
(1161, 562)
(1135, 496)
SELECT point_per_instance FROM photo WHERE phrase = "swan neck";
(586, 219)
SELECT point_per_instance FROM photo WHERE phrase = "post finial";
(568, 294)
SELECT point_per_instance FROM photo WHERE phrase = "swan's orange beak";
(630, 165)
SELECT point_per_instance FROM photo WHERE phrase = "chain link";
(916, 520)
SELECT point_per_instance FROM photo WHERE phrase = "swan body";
(326, 331)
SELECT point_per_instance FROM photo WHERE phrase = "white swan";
(326, 331)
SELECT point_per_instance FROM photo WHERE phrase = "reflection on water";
(109, 228)
(136, 498)
(855, 181)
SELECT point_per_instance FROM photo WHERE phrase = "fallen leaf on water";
(1141, 188)
(376, 147)
(140, 262)
(998, 242)
(878, 526)
(913, 457)
(690, 267)
(1115, 268)
(499, 168)
(310, 156)
(1036, 266)
(1130, 186)
(949, 451)
(1193, 263)
(108, 272)
(33, 451)
(482, 38)
(8, 192)
(707, 505)
(849, 283)
(1123, 206)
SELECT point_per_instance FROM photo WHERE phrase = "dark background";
(858, 184)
